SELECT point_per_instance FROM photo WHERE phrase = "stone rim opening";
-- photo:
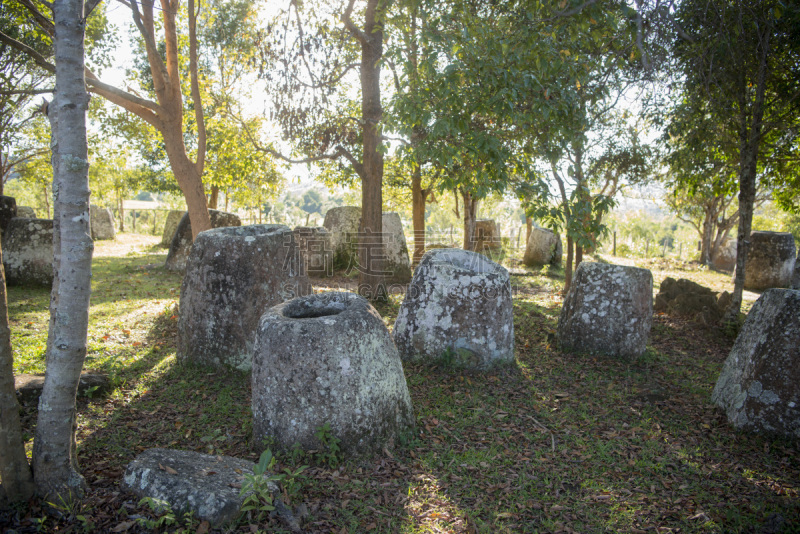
(315, 307)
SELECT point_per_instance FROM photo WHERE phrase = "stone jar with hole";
(328, 359)
(759, 386)
(457, 309)
(608, 310)
(233, 275)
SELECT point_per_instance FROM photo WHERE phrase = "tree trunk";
(705, 241)
(121, 205)
(470, 214)
(14, 469)
(568, 266)
(213, 198)
(750, 125)
(528, 229)
(55, 463)
(371, 277)
(418, 197)
(578, 256)
(189, 178)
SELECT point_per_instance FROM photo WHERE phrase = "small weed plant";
(166, 518)
(331, 452)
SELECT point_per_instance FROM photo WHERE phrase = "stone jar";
(328, 359)
(458, 307)
(608, 310)
(170, 226)
(182, 240)
(233, 275)
(101, 223)
(342, 222)
(770, 261)
(759, 386)
(314, 246)
(397, 262)
(543, 248)
(28, 251)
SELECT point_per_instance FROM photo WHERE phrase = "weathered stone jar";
(182, 240)
(28, 251)
(770, 261)
(101, 223)
(233, 275)
(328, 359)
(543, 248)
(759, 386)
(458, 306)
(608, 310)
(314, 247)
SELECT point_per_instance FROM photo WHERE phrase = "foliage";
(166, 518)
(330, 453)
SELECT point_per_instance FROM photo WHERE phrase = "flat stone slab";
(29, 387)
(207, 485)
(770, 262)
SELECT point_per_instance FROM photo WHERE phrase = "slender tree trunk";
(46, 201)
(470, 214)
(189, 177)
(55, 464)
(750, 137)
(705, 242)
(14, 469)
(568, 266)
(418, 197)
(121, 214)
(578, 256)
(213, 198)
(528, 229)
(371, 279)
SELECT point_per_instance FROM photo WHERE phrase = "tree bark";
(470, 214)
(371, 277)
(14, 469)
(55, 464)
(528, 229)
(213, 199)
(568, 266)
(418, 197)
(750, 125)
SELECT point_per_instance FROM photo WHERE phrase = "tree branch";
(28, 51)
(98, 86)
(352, 28)
(89, 6)
(44, 23)
(28, 92)
(196, 98)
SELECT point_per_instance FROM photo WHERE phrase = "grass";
(555, 442)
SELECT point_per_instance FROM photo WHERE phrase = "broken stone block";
(182, 240)
(458, 306)
(759, 386)
(28, 251)
(233, 275)
(687, 298)
(209, 486)
(770, 260)
(29, 387)
(486, 236)
(608, 310)
(328, 359)
(26, 212)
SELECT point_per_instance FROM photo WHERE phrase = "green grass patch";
(556, 442)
